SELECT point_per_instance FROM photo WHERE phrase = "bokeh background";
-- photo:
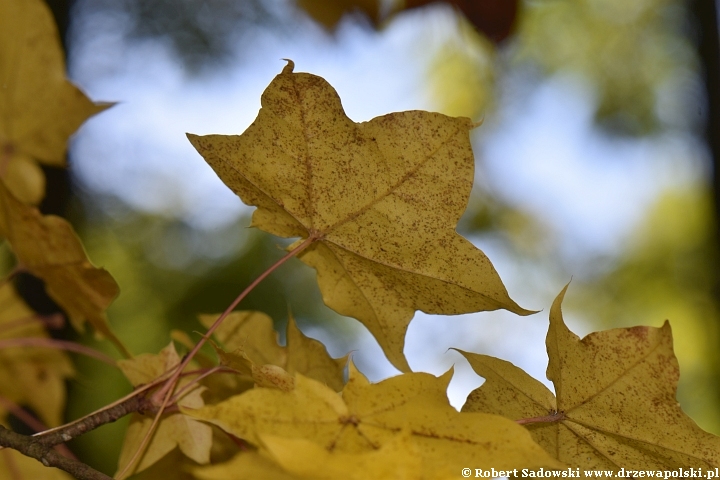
(596, 161)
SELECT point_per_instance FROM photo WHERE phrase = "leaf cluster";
(375, 206)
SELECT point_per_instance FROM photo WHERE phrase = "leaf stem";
(555, 417)
(194, 382)
(59, 344)
(53, 321)
(163, 395)
(146, 439)
(11, 274)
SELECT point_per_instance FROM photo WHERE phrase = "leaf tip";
(289, 67)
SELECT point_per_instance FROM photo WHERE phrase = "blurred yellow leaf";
(252, 334)
(47, 247)
(39, 107)
(31, 376)
(381, 199)
(615, 404)
(16, 466)
(368, 416)
(175, 430)
(461, 75)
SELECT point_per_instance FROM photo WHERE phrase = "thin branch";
(193, 383)
(136, 403)
(59, 344)
(12, 273)
(139, 390)
(32, 447)
(160, 394)
(146, 439)
(32, 422)
(54, 321)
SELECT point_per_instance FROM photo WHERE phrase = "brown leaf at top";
(329, 12)
(39, 107)
(30, 376)
(47, 247)
(615, 399)
(381, 198)
(368, 417)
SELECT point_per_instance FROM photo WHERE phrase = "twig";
(136, 403)
(192, 384)
(160, 394)
(34, 448)
(146, 439)
(32, 422)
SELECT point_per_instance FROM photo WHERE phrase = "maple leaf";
(396, 459)
(175, 430)
(368, 416)
(39, 107)
(252, 334)
(381, 199)
(16, 466)
(47, 247)
(250, 465)
(31, 376)
(615, 405)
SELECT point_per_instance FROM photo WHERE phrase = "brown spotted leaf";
(615, 405)
(369, 418)
(381, 199)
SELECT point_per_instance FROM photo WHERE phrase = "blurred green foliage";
(630, 52)
(668, 271)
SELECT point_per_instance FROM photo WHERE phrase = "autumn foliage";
(374, 207)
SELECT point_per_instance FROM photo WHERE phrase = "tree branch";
(40, 446)
(32, 447)
(136, 403)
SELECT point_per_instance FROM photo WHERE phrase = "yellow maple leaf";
(47, 247)
(615, 405)
(396, 459)
(193, 438)
(31, 376)
(250, 465)
(39, 107)
(380, 199)
(252, 334)
(367, 416)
